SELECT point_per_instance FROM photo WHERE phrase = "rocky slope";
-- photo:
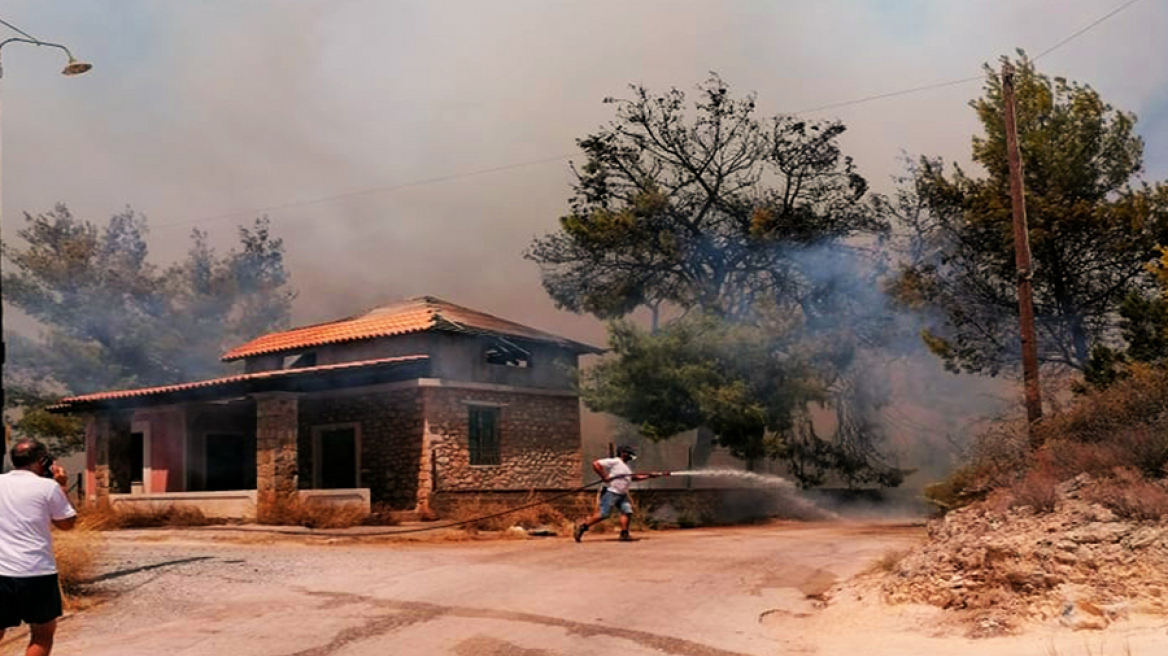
(1080, 563)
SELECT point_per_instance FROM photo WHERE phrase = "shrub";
(1124, 426)
(106, 517)
(312, 513)
(77, 552)
(1099, 417)
(888, 562)
(380, 514)
(1036, 489)
(498, 516)
(1131, 496)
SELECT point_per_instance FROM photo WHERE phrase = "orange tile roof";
(410, 316)
(239, 378)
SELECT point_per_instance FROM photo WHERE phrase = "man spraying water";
(617, 476)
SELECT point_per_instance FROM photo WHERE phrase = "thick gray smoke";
(199, 113)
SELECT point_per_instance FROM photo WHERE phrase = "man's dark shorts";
(32, 600)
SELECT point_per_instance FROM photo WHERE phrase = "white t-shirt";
(27, 504)
(619, 474)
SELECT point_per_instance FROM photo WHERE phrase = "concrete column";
(277, 425)
(97, 449)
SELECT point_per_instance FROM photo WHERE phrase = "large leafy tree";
(111, 319)
(1143, 324)
(688, 211)
(1094, 224)
(736, 223)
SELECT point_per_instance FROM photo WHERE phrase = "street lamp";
(74, 67)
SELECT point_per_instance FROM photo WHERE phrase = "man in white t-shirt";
(29, 503)
(617, 475)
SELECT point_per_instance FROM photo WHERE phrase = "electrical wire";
(893, 94)
(545, 160)
(966, 80)
(17, 29)
(367, 191)
(1085, 29)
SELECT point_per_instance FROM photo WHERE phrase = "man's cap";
(624, 448)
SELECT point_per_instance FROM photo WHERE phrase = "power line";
(17, 29)
(1085, 29)
(893, 94)
(364, 192)
(966, 80)
(508, 167)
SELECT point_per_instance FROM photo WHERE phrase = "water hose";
(423, 529)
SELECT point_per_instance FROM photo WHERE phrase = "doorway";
(337, 454)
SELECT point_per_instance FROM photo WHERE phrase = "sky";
(203, 114)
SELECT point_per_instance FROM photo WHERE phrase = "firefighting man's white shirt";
(619, 474)
(27, 504)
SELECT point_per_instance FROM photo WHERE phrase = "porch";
(232, 447)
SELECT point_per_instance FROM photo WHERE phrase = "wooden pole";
(1022, 261)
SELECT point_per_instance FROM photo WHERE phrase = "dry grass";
(887, 562)
(1122, 428)
(1131, 496)
(312, 514)
(1036, 489)
(498, 516)
(77, 552)
(380, 514)
(106, 517)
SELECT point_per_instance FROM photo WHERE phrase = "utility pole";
(1022, 261)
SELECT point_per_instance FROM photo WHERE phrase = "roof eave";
(307, 380)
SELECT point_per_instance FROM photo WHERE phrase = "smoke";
(199, 110)
(925, 415)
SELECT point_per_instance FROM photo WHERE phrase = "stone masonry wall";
(539, 440)
(276, 449)
(391, 440)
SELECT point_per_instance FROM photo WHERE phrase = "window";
(483, 433)
(506, 354)
(300, 361)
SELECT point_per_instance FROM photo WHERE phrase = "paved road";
(691, 593)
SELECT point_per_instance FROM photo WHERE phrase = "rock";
(1084, 615)
(1070, 489)
(1097, 532)
(1143, 537)
(543, 532)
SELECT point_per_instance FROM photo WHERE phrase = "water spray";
(785, 488)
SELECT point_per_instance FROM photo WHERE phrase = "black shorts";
(32, 600)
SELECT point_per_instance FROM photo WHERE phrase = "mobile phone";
(47, 466)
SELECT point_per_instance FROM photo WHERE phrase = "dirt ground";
(705, 592)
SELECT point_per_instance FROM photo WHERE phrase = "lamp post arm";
(82, 67)
(36, 42)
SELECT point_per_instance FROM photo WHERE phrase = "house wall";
(462, 357)
(453, 356)
(539, 439)
(166, 430)
(390, 426)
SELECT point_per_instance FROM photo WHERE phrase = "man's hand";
(60, 475)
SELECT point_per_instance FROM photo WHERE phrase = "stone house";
(393, 406)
